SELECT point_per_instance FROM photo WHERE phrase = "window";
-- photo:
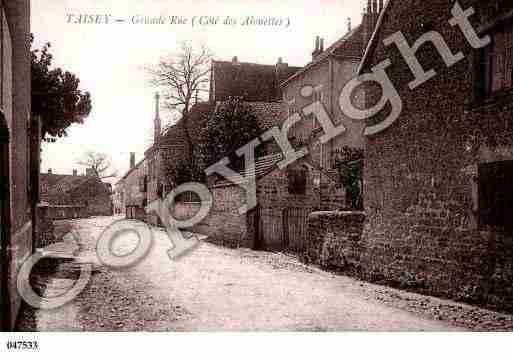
(317, 97)
(160, 190)
(143, 184)
(496, 195)
(151, 171)
(297, 179)
(495, 67)
(291, 108)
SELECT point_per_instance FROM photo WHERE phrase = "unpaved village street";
(215, 288)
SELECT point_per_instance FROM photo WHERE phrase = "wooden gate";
(295, 227)
(270, 228)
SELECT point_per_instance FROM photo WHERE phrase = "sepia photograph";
(295, 171)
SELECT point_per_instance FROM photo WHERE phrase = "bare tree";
(99, 163)
(183, 77)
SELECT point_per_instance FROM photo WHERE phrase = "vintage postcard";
(272, 166)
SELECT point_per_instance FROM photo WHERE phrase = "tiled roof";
(174, 136)
(268, 114)
(263, 166)
(253, 82)
(350, 45)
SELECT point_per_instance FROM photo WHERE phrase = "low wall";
(223, 227)
(20, 250)
(67, 212)
(334, 239)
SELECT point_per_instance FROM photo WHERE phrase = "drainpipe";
(35, 164)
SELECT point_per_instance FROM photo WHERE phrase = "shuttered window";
(495, 65)
(496, 195)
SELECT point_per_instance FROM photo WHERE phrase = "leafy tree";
(99, 163)
(232, 126)
(56, 96)
(349, 165)
(181, 172)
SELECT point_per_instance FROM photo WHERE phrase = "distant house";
(438, 182)
(130, 192)
(75, 196)
(19, 155)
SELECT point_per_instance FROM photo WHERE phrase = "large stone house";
(324, 78)
(439, 180)
(19, 154)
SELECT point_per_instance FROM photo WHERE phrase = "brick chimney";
(157, 125)
(281, 70)
(317, 50)
(370, 18)
(132, 160)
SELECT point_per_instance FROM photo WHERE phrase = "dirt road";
(215, 288)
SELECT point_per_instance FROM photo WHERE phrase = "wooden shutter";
(496, 194)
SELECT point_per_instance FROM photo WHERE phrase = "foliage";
(182, 172)
(232, 126)
(56, 96)
(99, 163)
(349, 164)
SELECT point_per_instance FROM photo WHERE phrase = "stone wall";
(333, 194)
(420, 178)
(45, 228)
(334, 239)
(66, 212)
(223, 225)
(16, 103)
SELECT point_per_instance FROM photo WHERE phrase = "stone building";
(285, 197)
(439, 180)
(321, 81)
(75, 196)
(130, 192)
(19, 154)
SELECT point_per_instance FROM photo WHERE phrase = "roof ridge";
(228, 62)
(370, 44)
(325, 54)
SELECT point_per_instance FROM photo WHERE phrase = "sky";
(110, 59)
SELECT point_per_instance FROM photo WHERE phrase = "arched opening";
(5, 222)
